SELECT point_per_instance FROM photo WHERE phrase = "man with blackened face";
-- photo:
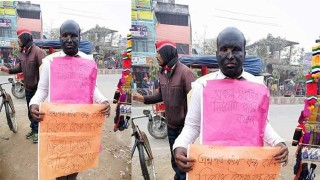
(70, 37)
(230, 56)
(70, 40)
(231, 52)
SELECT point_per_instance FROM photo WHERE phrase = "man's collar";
(220, 75)
(77, 55)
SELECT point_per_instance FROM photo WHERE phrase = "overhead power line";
(81, 15)
(245, 14)
(77, 10)
(250, 21)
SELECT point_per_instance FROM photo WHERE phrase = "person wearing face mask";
(30, 57)
(175, 82)
(69, 39)
(230, 56)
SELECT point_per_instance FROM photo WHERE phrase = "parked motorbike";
(17, 88)
(157, 126)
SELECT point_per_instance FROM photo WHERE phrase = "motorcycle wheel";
(18, 90)
(158, 128)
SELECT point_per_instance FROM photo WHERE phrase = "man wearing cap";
(175, 82)
(30, 60)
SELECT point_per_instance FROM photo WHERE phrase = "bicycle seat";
(146, 112)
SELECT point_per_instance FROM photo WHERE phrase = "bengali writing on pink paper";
(234, 113)
(72, 80)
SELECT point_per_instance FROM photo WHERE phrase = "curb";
(287, 100)
(100, 71)
(109, 71)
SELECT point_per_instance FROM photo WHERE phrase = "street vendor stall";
(307, 134)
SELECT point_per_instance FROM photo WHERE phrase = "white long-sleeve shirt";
(191, 129)
(43, 85)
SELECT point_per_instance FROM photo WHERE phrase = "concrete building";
(143, 39)
(29, 17)
(8, 30)
(173, 23)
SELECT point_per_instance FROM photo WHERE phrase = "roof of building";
(28, 6)
(171, 8)
(287, 43)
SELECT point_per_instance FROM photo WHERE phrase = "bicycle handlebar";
(138, 117)
(5, 83)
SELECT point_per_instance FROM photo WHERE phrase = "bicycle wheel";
(146, 163)
(11, 118)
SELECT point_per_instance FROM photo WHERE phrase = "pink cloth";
(72, 80)
(234, 113)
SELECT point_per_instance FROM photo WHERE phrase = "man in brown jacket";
(30, 60)
(175, 83)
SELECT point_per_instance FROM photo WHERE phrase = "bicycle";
(9, 108)
(142, 143)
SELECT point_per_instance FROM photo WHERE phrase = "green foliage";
(153, 72)
(103, 37)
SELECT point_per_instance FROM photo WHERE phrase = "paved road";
(283, 119)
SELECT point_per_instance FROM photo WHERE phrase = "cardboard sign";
(72, 80)
(230, 163)
(69, 138)
(234, 113)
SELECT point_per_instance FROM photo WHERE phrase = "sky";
(294, 20)
(113, 14)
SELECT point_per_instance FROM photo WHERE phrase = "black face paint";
(70, 37)
(231, 52)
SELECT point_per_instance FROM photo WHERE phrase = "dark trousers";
(68, 177)
(33, 124)
(173, 133)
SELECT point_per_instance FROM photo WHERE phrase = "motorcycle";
(17, 88)
(157, 125)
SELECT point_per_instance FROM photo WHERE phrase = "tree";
(205, 45)
(103, 40)
(286, 63)
(54, 34)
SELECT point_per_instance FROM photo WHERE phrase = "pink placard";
(234, 113)
(72, 80)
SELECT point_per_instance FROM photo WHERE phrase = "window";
(6, 33)
(142, 46)
(172, 19)
(183, 48)
(28, 14)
